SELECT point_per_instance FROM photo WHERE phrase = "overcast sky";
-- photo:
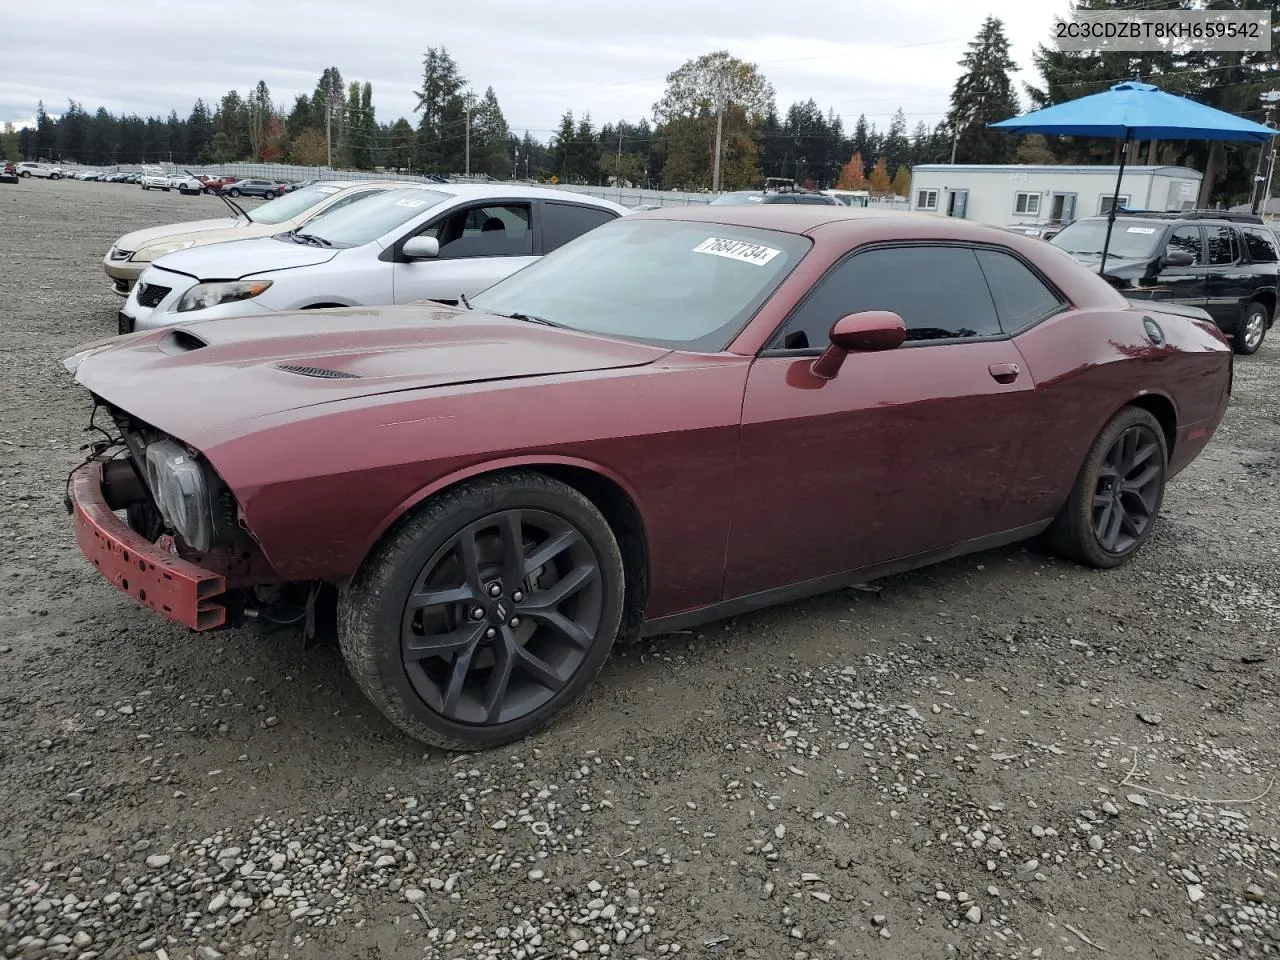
(151, 56)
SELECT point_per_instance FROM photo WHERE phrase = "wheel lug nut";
(517, 596)
(495, 589)
(477, 613)
(515, 621)
(491, 633)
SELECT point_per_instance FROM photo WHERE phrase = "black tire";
(55, 176)
(374, 617)
(269, 195)
(1074, 533)
(233, 193)
(1252, 329)
(26, 173)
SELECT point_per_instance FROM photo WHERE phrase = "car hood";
(139, 239)
(195, 380)
(242, 258)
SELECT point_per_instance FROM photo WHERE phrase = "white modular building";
(1010, 194)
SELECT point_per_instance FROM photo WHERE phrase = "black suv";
(1225, 263)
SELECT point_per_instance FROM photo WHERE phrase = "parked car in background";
(155, 178)
(442, 242)
(1225, 263)
(763, 196)
(681, 416)
(8, 174)
(43, 170)
(1045, 230)
(88, 175)
(134, 252)
(185, 183)
(212, 184)
(267, 189)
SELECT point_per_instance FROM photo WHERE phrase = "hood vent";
(181, 341)
(322, 373)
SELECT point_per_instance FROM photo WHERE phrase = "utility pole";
(467, 101)
(721, 103)
(328, 128)
(617, 166)
(1261, 180)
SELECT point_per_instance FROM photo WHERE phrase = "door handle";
(1004, 372)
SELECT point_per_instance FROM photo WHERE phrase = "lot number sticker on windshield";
(410, 202)
(1141, 230)
(737, 250)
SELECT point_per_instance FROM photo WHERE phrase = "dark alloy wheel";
(486, 612)
(1117, 495)
(1252, 330)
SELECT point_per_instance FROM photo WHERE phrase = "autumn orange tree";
(853, 174)
(880, 184)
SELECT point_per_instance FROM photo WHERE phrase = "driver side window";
(1187, 240)
(495, 230)
(940, 293)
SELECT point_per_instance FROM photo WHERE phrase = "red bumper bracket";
(173, 587)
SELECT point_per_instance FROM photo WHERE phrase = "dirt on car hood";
(194, 380)
(221, 228)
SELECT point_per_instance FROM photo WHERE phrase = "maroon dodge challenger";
(680, 416)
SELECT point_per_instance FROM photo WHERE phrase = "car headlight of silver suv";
(181, 490)
(205, 295)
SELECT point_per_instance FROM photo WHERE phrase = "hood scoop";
(320, 373)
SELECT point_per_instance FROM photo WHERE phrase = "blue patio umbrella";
(1136, 111)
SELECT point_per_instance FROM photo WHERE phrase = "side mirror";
(421, 248)
(1177, 258)
(859, 333)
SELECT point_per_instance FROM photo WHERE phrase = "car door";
(1229, 278)
(905, 451)
(1185, 285)
(480, 243)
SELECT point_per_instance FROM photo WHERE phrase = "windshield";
(368, 218)
(680, 284)
(1129, 240)
(289, 205)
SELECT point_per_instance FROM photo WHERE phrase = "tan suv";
(133, 252)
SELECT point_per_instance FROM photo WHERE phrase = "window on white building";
(1104, 203)
(926, 199)
(1026, 203)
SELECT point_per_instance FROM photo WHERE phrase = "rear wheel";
(486, 612)
(1252, 329)
(233, 192)
(1117, 495)
(269, 195)
(26, 173)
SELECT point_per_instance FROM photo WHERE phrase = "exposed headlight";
(205, 295)
(181, 492)
(119, 253)
(157, 250)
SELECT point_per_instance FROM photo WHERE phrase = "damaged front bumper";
(177, 589)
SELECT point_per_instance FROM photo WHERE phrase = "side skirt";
(819, 585)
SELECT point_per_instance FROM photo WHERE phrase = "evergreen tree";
(490, 138)
(896, 148)
(402, 146)
(442, 128)
(984, 95)
(199, 133)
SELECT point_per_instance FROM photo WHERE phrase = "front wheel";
(26, 173)
(233, 193)
(55, 176)
(1252, 330)
(485, 612)
(1117, 495)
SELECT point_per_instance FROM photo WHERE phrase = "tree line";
(454, 127)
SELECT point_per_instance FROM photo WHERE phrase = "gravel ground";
(1004, 756)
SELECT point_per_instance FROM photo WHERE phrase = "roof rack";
(1190, 215)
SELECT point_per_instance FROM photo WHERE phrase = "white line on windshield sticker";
(1141, 230)
(409, 202)
(737, 250)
